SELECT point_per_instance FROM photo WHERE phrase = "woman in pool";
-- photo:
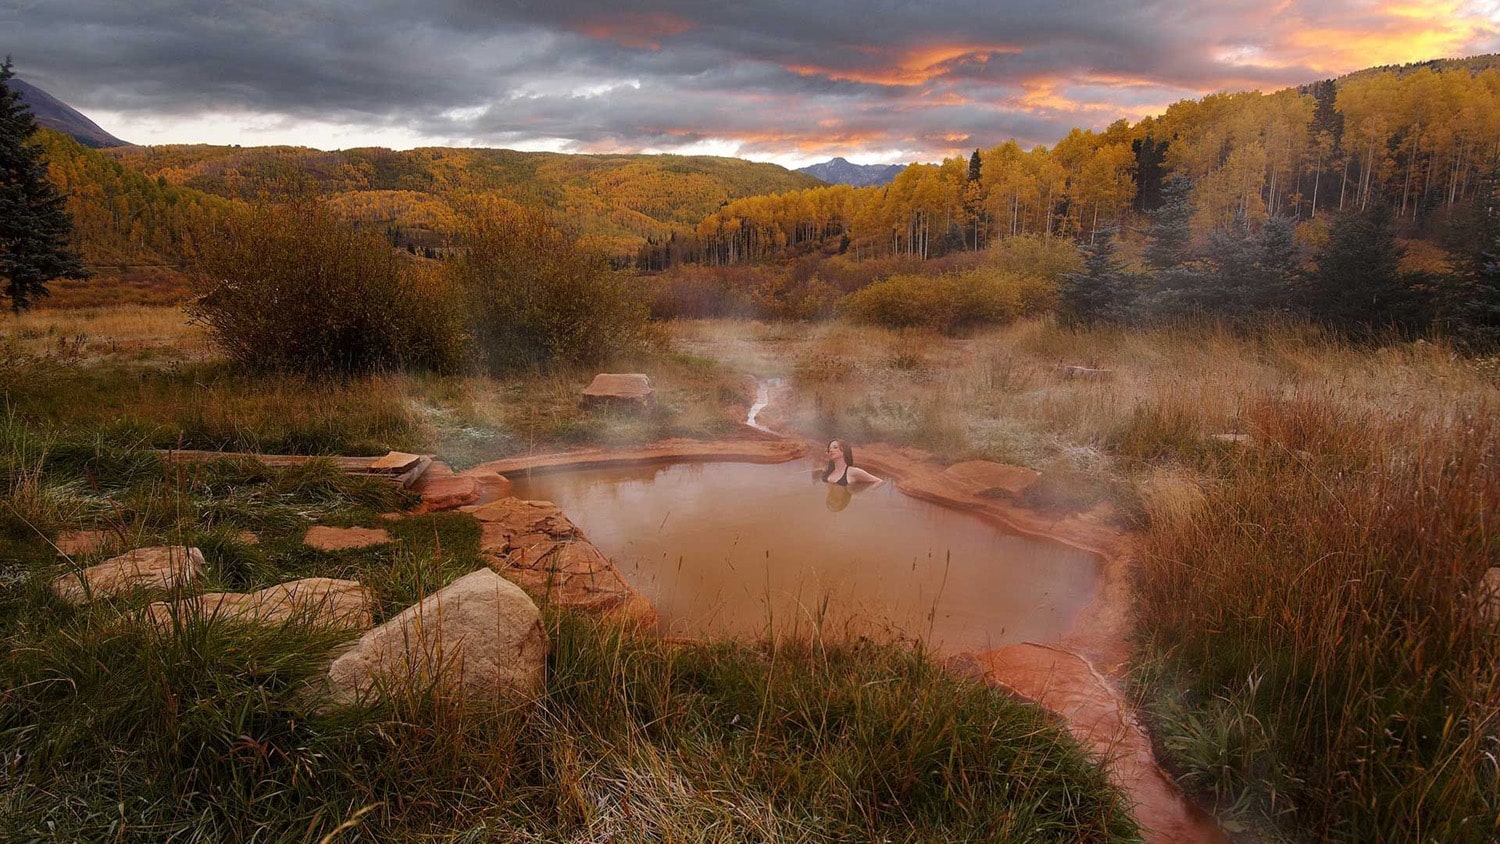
(841, 469)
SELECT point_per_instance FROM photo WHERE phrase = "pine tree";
(1171, 233)
(1358, 287)
(1278, 264)
(973, 198)
(34, 227)
(1477, 315)
(1103, 292)
(1150, 172)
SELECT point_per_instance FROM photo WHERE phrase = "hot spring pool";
(742, 549)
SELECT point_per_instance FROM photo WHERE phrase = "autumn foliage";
(296, 288)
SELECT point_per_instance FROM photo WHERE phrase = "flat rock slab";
(933, 487)
(162, 567)
(666, 451)
(76, 543)
(480, 637)
(442, 489)
(320, 601)
(532, 543)
(631, 387)
(395, 462)
(991, 480)
(326, 538)
(512, 517)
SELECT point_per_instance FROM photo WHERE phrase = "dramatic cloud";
(781, 79)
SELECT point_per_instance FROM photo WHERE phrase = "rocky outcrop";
(318, 601)
(443, 489)
(158, 568)
(326, 538)
(479, 637)
(533, 544)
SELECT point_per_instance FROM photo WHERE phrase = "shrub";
(694, 292)
(537, 298)
(949, 303)
(1048, 259)
(295, 288)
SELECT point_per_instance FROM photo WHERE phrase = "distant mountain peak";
(57, 115)
(838, 171)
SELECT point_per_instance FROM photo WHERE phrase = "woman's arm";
(860, 476)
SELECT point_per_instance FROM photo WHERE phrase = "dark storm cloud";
(780, 77)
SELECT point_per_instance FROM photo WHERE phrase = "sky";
(789, 81)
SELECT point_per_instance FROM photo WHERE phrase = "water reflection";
(838, 498)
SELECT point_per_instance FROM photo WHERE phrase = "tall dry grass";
(1319, 612)
(1168, 392)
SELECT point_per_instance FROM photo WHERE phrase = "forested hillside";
(617, 202)
(130, 228)
(1421, 139)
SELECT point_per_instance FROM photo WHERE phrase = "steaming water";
(737, 549)
(762, 399)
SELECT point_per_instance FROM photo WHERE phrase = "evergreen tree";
(34, 226)
(1150, 172)
(1476, 315)
(1358, 287)
(1170, 236)
(1278, 264)
(1103, 292)
(973, 198)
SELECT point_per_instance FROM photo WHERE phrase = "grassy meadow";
(1309, 650)
(212, 731)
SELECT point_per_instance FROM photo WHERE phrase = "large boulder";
(480, 636)
(320, 601)
(164, 568)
